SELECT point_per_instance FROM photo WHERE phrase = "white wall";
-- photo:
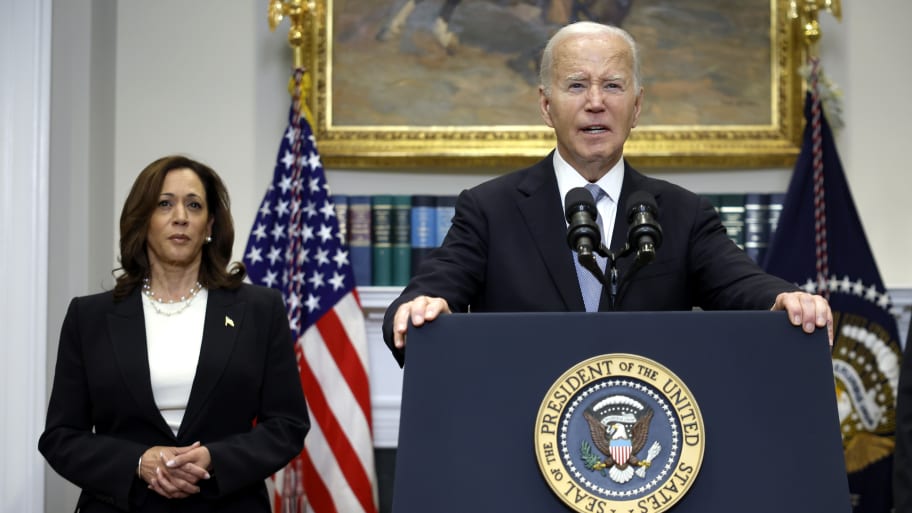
(864, 55)
(132, 81)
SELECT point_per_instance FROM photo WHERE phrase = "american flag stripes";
(295, 246)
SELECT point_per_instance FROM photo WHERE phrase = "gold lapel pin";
(228, 321)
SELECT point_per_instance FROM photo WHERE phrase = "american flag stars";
(296, 223)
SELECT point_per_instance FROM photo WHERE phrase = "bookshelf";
(390, 234)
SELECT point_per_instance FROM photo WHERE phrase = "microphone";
(644, 234)
(583, 234)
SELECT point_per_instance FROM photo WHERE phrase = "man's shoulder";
(634, 180)
(526, 179)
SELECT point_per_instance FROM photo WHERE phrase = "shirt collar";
(568, 178)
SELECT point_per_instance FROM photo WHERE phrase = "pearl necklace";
(182, 304)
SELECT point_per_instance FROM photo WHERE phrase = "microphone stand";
(588, 261)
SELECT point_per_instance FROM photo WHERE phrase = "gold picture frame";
(751, 118)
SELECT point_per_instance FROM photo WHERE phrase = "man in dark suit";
(506, 249)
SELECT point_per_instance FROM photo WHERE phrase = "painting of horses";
(460, 77)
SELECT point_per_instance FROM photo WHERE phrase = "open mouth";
(595, 129)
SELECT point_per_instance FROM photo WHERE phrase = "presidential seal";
(619, 432)
(866, 360)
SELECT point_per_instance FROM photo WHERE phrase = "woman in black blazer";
(179, 389)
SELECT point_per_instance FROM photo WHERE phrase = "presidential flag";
(902, 477)
(821, 246)
(296, 247)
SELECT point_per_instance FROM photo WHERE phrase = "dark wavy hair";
(137, 211)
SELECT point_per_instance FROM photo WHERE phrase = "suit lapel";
(127, 330)
(223, 317)
(539, 202)
(633, 181)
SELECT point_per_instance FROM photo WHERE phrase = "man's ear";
(544, 104)
(638, 107)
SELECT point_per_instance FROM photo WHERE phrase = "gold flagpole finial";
(806, 13)
(296, 11)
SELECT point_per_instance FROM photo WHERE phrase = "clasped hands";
(174, 472)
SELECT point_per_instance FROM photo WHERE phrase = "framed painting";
(454, 83)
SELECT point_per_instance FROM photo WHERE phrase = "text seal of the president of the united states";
(619, 432)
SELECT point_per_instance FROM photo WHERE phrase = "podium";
(474, 384)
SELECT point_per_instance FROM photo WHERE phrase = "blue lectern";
(474, 383)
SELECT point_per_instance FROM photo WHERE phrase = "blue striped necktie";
(590, 286)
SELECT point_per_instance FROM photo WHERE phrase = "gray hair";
(584, 28)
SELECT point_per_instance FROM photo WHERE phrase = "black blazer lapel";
(224, 313)
(127, 331)
(540, 205)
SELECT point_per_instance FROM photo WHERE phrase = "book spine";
(774, 210)
(340, 202)
(446, 209)
(401, 239)
(424, 228)
(359, 239)
(382, 239)
(776, 200)
(731, 211)
(756, 225)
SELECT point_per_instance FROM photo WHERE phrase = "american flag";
(296, 246)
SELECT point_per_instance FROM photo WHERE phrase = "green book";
(381, 239)
(731, 210)
(714, 200)
(401, 239)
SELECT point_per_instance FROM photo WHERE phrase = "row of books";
(389, 234)
(749, 218)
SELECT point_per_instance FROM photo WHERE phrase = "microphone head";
(641, 201)
(579, 199)
(583, 234)
(644, 233)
